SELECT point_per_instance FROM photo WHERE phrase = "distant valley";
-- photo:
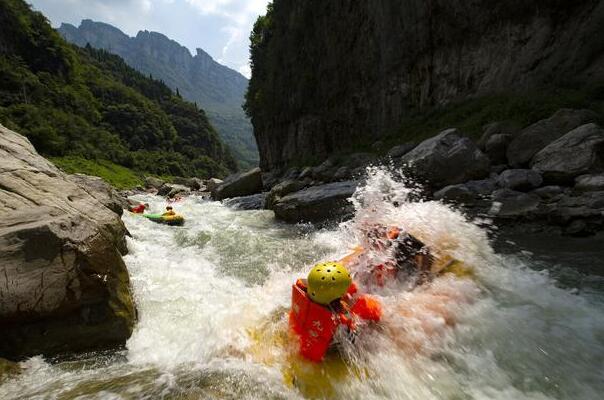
(217, 89)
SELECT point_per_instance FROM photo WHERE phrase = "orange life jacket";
(315, 325)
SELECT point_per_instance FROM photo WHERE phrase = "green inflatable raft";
(174, 220)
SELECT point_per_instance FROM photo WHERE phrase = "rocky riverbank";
(549, 174)
(63, 284)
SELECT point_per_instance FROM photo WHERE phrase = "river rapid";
(213, 298)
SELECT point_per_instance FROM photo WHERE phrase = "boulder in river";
(506, 128)
(284, 188)
(520, 179)
(589, 183)
(579, 152)
(170, 190)
(63, 284)
(401, 150)
(102, 191)
(456, 193)
(316, 203)
(152, 182)
(212, 184)
(241, 184)
(537, 136)
(448, 159)
(510, 203)
(252, 202)
(496, 148)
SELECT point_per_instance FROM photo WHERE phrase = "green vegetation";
(118, 176)
(82, 104)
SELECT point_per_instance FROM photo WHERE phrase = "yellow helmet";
(327, 282)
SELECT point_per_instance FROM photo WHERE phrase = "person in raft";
(169, 212)
(325, 301)
(140, 209)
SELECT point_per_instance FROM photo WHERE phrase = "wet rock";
(171, 190)
(153, 182)
(510, 203)
(578, 228)
(496, 148)
(253, 202)
(589, 183)
(191, 183)
(457, 193)
(325, 171)
(241, 184)
(343, 173)
(401, 150)
(102, 191)
(212, 184)
(579, 152)
(306, 173)
(63, 284)
(284, 188)
(536, 137)
(548, 192)
(269, 179)
(497, 169)
(8, 369)
(316, 203)
(482, 187)
(520, 179)
(508, 128)
(447, 159)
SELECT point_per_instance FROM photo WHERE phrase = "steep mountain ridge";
(88, 103)
(216, 88)
(326, 75)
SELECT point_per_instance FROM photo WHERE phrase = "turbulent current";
(213, 298)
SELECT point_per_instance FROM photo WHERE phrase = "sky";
(220, 27)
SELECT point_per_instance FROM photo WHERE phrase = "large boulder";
(510, 203)
(401, 150)
(252, 202)
(241, 184)
(284, 188)
(496, 147)
(447, 159)
(102, 191)
(579, 152)
(520, 179)
(63, 284)
(506, 128)
(316, 203)
(191, 183)
(152, 182)
(590, 183)
(212, 184)
(534, 138)
(171, 190)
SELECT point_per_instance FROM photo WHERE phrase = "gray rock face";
(520, 179)
(317, 203)
(447, 159)
(548, 192)
(102, 191)
(153, 182)
(253, 202)
(241, 184)
(510, 203)
(458, 193)
(401, 150)
(212, 184)
(508, 128)
(171, 189)
(191, 183)
(590, 183)
(63, 283)
(284, 188)
(579, 152)
(496, 148)
(369, 65)
(534, 138)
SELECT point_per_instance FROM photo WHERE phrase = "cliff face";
(328, 73)
(217, 89)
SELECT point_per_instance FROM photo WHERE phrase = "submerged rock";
(448, 159)
(63, 284)
(317, 203)
(579, 152)
(241, 184)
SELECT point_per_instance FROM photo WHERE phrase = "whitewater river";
(213, 295)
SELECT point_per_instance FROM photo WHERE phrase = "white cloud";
(245, 70)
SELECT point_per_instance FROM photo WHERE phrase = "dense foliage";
(83, 102)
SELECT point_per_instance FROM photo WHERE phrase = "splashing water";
(213, 297)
